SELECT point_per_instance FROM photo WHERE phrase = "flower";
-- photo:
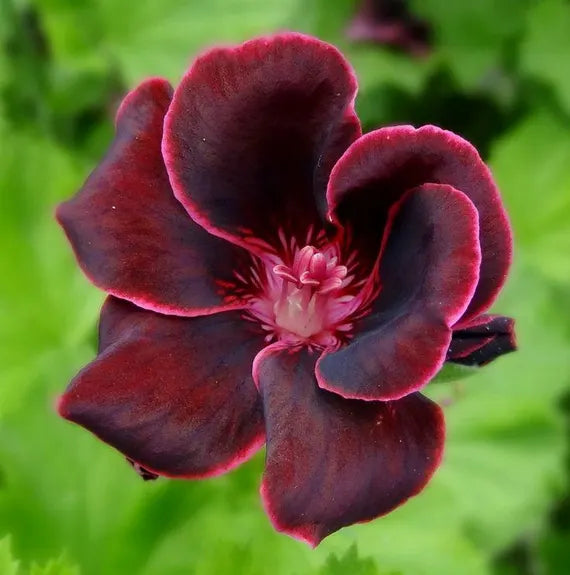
(276, 277)
(390, 22)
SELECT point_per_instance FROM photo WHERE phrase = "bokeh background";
(498, 73)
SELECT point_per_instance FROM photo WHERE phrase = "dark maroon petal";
(428, 271)
(390, 22)
(253, 132)
(131, 236)
(331, 461)
(175, 395)
(378, 169)
(482, 340)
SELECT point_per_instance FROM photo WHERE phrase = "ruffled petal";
(132, 237)
(381, 166)
(253, 132)
(482, 340)
(428, 271)
(332, 462)
(175, 395)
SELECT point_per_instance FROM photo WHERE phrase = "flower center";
(306, 295)
(307, 287)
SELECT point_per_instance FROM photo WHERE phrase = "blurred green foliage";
(10, 566)
(500, 503)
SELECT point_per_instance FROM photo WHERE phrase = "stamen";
(307, 295)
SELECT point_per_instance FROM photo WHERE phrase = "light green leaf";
(239, 527)
(470, 37)
(161, 38)
(54, 567)
(532, 167)
(8, 565)
(351, 563)
(46, 306)
(150, 38)
(545, 50)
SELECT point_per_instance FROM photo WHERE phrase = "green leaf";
(453, 372)
(554, 553)
(545, 50)
(239, 527)
(532, 167)
(153, 38)
(55, 567)
(351, 563)
(470, 37)
(46, 306)
(8, 565)
(163, 37)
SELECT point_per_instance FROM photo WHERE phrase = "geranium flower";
(275, 277)
(391, 23)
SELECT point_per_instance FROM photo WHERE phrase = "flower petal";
(253, 132)
(131, 236)
(378, 169)
(175, 395)
(428, 271)
(482, 340)
(331, 461)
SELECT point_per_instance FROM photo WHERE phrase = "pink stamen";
(306, 295)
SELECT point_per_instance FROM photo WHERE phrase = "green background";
(499, 75)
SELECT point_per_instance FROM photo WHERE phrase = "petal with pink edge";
(482, 340)
(382, 165)
(174, 395)
(428, 270)
(332, 462)
(253, 132)
(132, 237)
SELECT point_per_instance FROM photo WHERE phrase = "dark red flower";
(391, 23)
(242, 220)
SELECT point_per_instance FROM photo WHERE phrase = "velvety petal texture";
(175, 395)
(382, 165)
(252, 133)
(331, 461)
(428, 270)
(132, 237)
(482, 340)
